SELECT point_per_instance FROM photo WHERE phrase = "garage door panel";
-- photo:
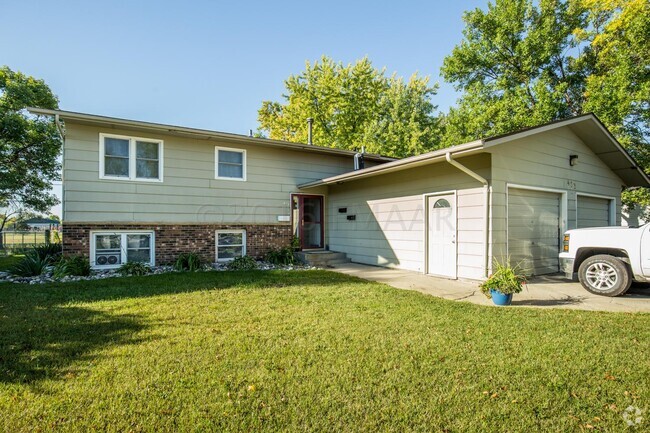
(534, 230)
(535, 250)
(544, 230)
(593, 212)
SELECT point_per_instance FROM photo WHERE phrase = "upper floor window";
(130, 158)
(230, 163)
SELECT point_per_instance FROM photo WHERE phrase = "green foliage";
(282, 256)
(8, 261)
(52, 250)
(516, 67)
(505, 278)
(522, 63)
(31, 265)
(190, 261)
(78, 266)
(353, 106)
(134, 269)
(295, 243)
(618, 88)
(29, 145)
(244, 263)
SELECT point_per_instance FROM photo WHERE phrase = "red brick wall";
(172, 239)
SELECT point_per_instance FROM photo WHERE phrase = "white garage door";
(593, 212)
(534, 230)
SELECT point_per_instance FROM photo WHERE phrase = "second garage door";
(593, 212)
(534, 230)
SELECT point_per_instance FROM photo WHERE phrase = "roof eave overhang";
(402, 164)
(117, 123)
(625, 167)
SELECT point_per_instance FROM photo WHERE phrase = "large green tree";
(29, 146)
(618, 89)
(517, 66)
(352, 106)
(525, 62)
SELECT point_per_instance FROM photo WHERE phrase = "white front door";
(441, 235)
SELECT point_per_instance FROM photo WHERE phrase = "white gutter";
(400, 164)
(486, 216)
(92, 119)
(59, 127)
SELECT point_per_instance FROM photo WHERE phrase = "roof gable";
(597, 137)
(587, 127)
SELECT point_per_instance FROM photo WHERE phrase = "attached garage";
(593, 211)
(534, 229)
(454, 211)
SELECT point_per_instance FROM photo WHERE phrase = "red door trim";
(301, 217)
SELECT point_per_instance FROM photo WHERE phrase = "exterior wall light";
(573, 160)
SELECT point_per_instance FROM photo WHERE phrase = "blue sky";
(210, 64)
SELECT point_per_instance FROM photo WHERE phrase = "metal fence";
(13, 241)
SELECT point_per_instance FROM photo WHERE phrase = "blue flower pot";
(499, 298)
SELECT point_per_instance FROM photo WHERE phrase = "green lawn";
(7, 262)
(306, 351)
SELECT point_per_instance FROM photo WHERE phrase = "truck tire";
(604, 275)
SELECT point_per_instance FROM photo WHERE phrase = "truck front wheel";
(604, 275)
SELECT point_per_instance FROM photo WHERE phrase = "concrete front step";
(321, 258)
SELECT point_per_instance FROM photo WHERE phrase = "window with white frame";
(230, 244)
(113, 249)
(230, 164)
(130, 158)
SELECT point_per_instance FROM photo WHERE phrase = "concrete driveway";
(541, 292)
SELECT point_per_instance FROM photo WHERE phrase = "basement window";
(130, 158)
(230, 244)
(110, 250)
(230, 164)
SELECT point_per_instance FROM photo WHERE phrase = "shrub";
(505, 278)
(188, 262)
(52, 250)
(31, 265)
(245, 263)
(77, 266)
(283, 256)
(134, 269)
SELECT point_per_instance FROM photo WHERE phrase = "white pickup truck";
(607, 259)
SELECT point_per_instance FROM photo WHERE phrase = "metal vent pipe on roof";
(310, 123)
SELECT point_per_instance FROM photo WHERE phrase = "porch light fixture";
(573, 160)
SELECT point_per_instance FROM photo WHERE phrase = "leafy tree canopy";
(352, 106)
(29, 145)
(524, 62)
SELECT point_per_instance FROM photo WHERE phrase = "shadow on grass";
(43, 333)
(39, 342)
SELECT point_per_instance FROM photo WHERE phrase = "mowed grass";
(306, 351)
(6, 262)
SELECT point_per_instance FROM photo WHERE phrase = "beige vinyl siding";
(389, 227)
(542, 160)
(189, 192)
(592, 212)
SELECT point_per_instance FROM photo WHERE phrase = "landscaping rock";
(47, 277)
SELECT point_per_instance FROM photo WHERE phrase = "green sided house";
(139, 191)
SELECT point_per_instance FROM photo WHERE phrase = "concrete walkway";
(541, 292)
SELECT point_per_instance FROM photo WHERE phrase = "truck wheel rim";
(601, 276)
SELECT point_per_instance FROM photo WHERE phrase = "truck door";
(645, 250)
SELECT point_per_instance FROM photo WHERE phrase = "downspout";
(486, 194)
(59, 127)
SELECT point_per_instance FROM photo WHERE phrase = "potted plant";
(505, 281)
